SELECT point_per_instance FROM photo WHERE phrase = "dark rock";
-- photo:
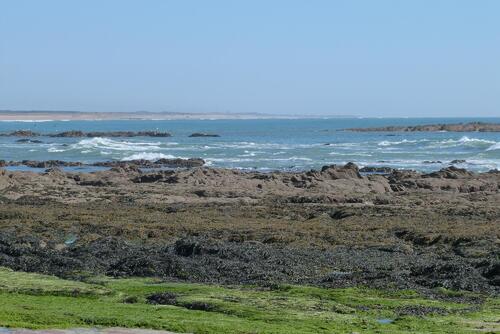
(200, 134)
(78, 133)
(460, 127)
(376, 170)
(162, 298)
(160, 163)
(72, 133)
(348, 171)
(341, 213)
(199, 306)
(50, 163)
(21, 133)
(29, 141)
(451, 172)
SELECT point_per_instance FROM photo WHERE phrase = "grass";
(39, 301)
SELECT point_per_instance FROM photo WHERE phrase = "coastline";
(47, 116)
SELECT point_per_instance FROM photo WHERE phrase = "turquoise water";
(265, 144)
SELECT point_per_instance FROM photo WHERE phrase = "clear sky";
(367, 58)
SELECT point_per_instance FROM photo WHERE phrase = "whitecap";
(148, 156)
(109, 144)
(494, 147)
(55, 150)
(463, 141)
(404, 141)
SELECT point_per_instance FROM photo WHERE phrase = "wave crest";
(148, 156)
(109, 144)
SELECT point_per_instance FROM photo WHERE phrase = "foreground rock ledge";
(332, 227)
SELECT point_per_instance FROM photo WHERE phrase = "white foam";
(148, 156)
(55, 150)
(109, 144)
(404, 141)
(494, 147)
(465, 141)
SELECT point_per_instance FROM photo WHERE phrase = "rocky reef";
(330, 227)
(460, 127)
(78, 133)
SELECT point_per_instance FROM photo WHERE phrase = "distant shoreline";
(39, 116)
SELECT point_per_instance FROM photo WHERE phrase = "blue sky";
(367, 58)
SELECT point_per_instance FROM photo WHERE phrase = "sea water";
(265, 144)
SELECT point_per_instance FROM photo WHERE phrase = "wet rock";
(29, 141)
(375, 169)
(160, 163)
(50, 163)
(201, 134)
(161, 176)
(335, 172)
(460, 127)
(451, 172)
(72, 133)
(78, 133)
(458, 161)
(21, 133)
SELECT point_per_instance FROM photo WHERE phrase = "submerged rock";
(29, 141)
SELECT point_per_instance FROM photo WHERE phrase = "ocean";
(266, 144)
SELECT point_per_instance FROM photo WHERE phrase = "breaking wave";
(109, 144)
(494, 147)
(464, 141)
(404, 141)
(148, 156)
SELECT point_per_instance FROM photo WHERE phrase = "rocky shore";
(461, 127)
(330, 227)
(78, 133)
(129, 164)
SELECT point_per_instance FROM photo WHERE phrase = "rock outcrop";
(461, 127)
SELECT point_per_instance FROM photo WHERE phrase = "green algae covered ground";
(37, 301)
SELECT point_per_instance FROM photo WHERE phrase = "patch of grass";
(37, 284)
(39, 301)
